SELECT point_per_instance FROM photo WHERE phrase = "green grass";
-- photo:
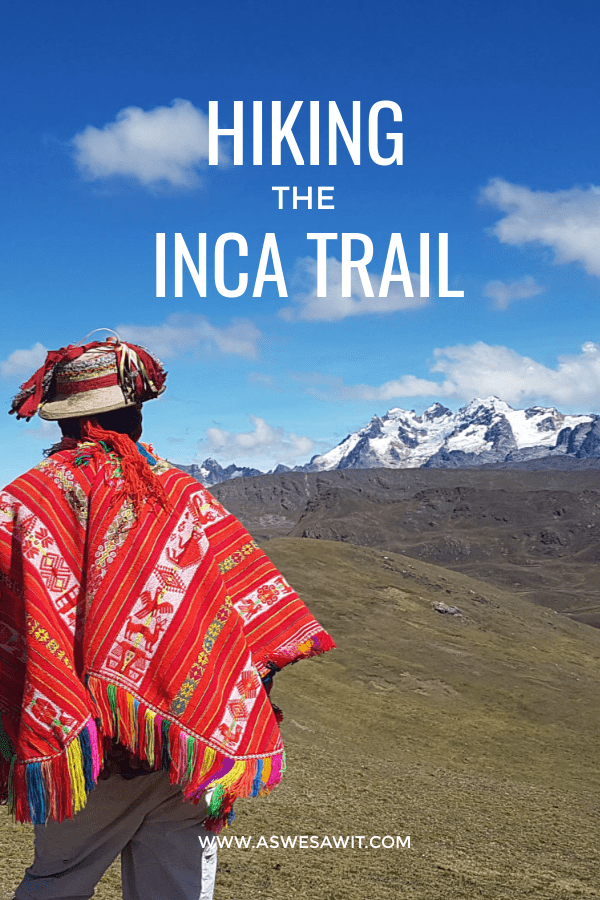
(477, 736)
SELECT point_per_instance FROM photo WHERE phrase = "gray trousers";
(146, 821)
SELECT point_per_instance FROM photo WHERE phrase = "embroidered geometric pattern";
(237, 557)
(40, 634)
(157, 625)
(106, 551)
(197, 671)
(72, 491)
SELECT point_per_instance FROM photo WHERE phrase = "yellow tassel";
(264, 775)
(150, 717)
(133, 726)
(232, 776)
(207, 761)
(75, 764)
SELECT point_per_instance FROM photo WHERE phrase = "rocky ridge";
(484, 432)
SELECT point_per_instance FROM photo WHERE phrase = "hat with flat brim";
(91, 379)
(85, 387)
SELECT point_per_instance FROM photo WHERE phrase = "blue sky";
(104, 144)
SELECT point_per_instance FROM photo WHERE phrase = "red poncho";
(154, 628)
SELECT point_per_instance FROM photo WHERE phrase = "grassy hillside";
(477, 735)
(536, 533)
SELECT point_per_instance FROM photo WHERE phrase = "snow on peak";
(488, 428)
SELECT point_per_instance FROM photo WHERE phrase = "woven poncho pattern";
(153, 627)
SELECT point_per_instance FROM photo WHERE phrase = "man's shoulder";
(41, 471)
(205, 506)
(183, 479)
(159, 466)
(50, 485)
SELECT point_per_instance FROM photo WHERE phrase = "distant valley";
(535, 532)
(509, 496)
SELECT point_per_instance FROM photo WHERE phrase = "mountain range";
(484, 432)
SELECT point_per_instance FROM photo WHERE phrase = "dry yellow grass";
(477, 736)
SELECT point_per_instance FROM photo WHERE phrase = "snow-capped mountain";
(210, 472)
(483, 431)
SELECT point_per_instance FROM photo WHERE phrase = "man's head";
(92, 380)
(127, 420)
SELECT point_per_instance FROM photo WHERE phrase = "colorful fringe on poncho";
(152, 624)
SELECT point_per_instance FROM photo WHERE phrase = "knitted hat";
(84, 380)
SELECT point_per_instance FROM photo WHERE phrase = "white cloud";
(23, 363)
(566, 221)
(267, 443)
(334, 307)
(166, 145)
(503, 293)
(481, 370)
(183, 333)
(332, 387)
